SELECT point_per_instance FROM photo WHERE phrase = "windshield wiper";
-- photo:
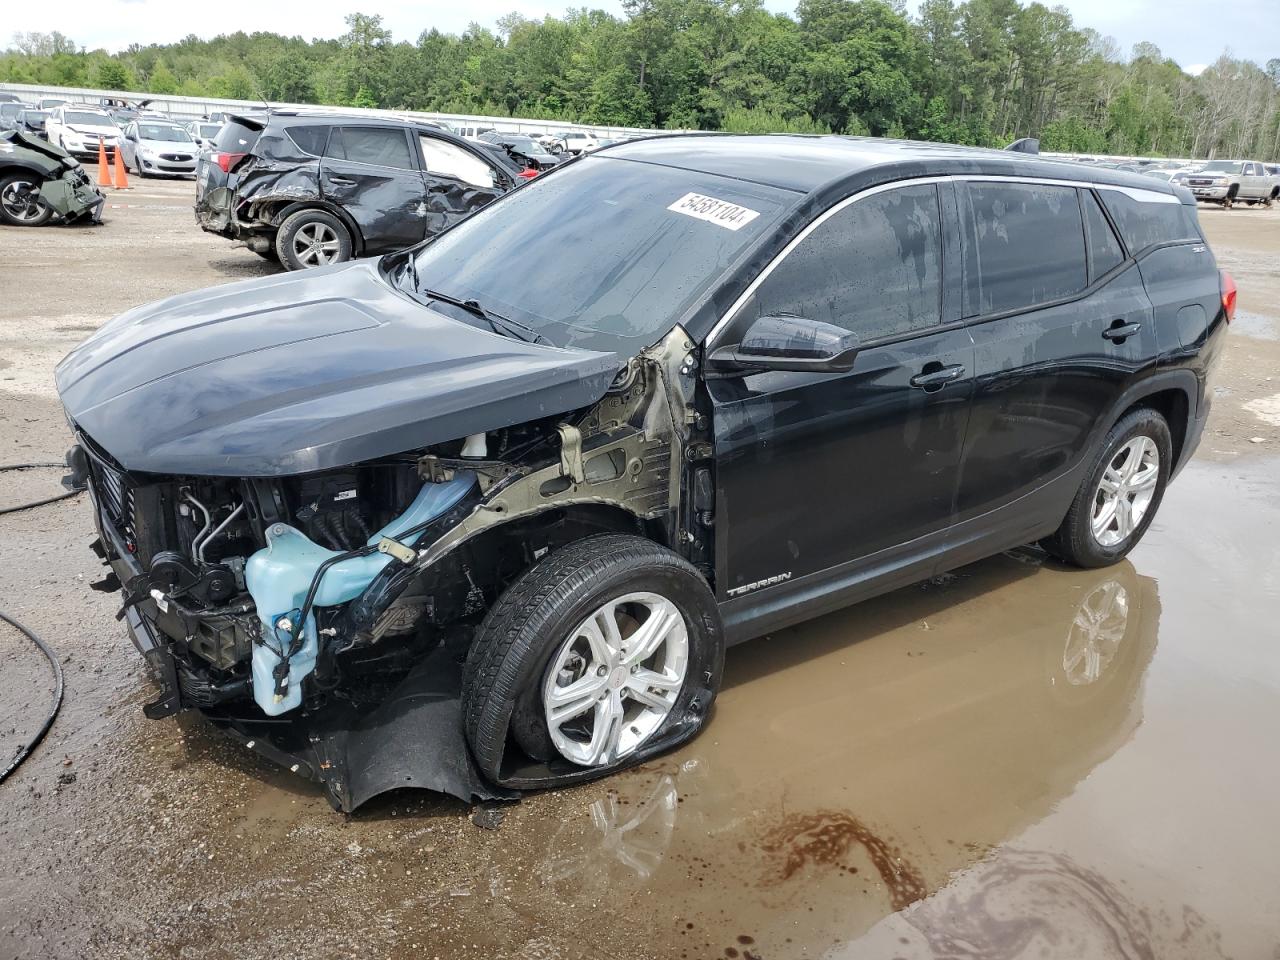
(497, 321)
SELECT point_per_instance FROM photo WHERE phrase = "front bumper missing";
(413, 738)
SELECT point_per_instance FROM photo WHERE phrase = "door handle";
(1118, 331)
(341, 181)
(936, 378)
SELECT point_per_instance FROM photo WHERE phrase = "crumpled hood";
(306, 371)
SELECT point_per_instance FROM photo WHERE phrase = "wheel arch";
(281, 212)
(1173, 394)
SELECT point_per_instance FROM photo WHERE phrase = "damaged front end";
(323, 618)
(42, 183)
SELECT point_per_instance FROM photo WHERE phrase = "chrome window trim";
(1140, 194)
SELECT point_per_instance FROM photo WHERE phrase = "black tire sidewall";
(547, 624)
(295, 222)
(1085, 547)
(48, 211)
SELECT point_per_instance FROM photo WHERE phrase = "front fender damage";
(629, 453)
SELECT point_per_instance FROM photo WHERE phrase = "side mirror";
(789, 343)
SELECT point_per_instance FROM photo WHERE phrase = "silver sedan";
(158, 148)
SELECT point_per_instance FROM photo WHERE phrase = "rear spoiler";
(1025, 145)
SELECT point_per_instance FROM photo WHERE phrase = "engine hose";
(54, 706)
(40, 644)
(35, 503)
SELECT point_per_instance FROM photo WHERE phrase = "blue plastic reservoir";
(279, 575)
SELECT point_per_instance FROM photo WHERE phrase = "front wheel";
(596, 653)
(20, 202)
(1120, 494)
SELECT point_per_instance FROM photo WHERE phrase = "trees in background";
(963, 71)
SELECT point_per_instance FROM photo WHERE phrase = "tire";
(15, 208)
(1076, 541)
(291, 240)
(525, 635)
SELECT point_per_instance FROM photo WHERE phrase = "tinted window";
(1023, 245)
(1147, 218)
(236, 136)
(309, 139)
(380, 146)
(1104, 249)
(873, 268)
(606, 254)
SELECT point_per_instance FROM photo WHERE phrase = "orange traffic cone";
(122, 179)
(104, 173)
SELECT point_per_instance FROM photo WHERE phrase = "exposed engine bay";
(323, 618)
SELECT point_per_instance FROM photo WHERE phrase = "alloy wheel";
(316, 244)
(1125, 491)
(615, 678)
(21, 200)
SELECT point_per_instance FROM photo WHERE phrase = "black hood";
(306, 371)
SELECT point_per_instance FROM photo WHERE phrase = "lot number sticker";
(722, 213)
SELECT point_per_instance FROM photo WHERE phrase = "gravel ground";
(1013, 760)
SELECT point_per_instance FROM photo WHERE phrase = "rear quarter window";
(1104, 249)
(1147, 219)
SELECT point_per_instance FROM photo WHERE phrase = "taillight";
(529, 173)
(226, 161)
(1228, 285)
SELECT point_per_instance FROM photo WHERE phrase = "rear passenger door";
(457, 180)
(1060, 328)
(372, 173)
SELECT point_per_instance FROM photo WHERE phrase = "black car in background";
(534, 490)
(524, 150)
(309, 189)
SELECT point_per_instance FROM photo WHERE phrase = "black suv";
(309, 189)
(483, 515)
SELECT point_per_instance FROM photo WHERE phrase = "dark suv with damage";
(311, 189)
(483, 515)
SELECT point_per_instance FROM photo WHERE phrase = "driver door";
(828, 480)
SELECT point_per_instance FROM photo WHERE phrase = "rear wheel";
(312, 238)
(591, 655)
(20, 203)
(1120, 494)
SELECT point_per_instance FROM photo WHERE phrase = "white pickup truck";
(1230, 181)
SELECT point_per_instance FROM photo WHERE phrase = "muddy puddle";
(1017, 760)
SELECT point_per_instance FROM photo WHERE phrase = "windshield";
(10, 109)
(88, 119)
(209, 129)
(35, 116)
(159, 131)
(1221, 166)
(597, 255)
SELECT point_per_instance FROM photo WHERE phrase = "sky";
(1192, 32)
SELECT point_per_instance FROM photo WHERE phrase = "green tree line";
(974, 72)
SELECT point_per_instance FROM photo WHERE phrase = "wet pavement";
(1018, 760)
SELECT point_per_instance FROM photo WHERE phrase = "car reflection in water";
(862, 760)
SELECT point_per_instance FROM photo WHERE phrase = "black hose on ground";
(35, 503)
(57, 695)
(40, 644)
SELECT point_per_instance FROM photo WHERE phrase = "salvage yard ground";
(1011, 758)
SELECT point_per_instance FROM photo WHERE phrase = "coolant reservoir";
(279, 575)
